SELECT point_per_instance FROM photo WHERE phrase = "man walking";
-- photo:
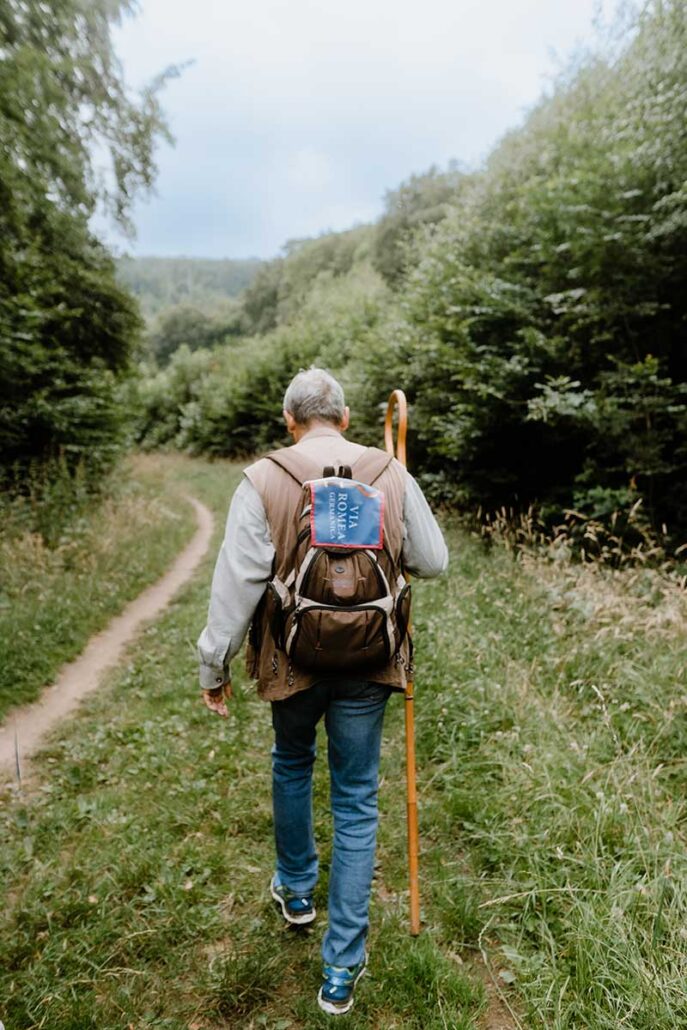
(262, 537)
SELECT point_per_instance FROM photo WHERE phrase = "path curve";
(29, 724)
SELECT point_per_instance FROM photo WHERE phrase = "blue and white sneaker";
(336, 992)
(297, 909)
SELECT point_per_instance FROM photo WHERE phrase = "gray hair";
(314, 394)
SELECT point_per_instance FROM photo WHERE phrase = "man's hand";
(214, 699)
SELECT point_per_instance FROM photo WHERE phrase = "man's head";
(314, 397)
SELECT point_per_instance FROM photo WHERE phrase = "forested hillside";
(161, 283)
(534, 311)
(186, 300)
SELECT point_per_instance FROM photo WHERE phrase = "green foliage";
(421, 202)
(71, 560)
(310, 262)
(66, 327)
(541, 337)
(201, 283)
(229, 401)
(190, 326)
(66, 330)
(161, 397)
(260, 301)
(281, 287)
(63, 93)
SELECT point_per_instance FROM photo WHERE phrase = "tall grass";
(552, 733)
(71, 558)
(554, 719)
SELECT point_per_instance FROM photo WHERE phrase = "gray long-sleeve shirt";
(244, 567)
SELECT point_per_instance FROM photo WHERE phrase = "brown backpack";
(344, 605)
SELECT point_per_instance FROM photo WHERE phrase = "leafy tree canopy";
(66, 327)
(422, 201)
(188, 326)
(276, 295)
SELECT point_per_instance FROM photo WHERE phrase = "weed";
(244, 979)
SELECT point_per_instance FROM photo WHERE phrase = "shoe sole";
(339, 1010)
(303, 920)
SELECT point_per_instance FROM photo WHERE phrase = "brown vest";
(281, 495)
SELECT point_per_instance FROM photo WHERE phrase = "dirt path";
(498, 1014)
(25, 728)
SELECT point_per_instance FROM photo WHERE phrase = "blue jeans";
(353, 715)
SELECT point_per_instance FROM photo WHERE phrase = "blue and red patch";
(346, 513)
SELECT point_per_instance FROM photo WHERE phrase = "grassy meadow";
(552, 732)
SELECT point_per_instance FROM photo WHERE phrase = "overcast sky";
(295, 117)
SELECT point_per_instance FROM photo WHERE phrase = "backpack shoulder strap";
(298, 466)
(370, 465)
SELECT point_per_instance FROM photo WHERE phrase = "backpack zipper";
(298, 611)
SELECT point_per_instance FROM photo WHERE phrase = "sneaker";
(336, 993)
(295, 908)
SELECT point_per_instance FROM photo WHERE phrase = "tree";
(181, 325)
(421, 201)
(66, 327)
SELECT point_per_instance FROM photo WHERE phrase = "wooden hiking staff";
(398, 400)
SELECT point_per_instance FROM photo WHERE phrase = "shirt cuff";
(212, 677)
